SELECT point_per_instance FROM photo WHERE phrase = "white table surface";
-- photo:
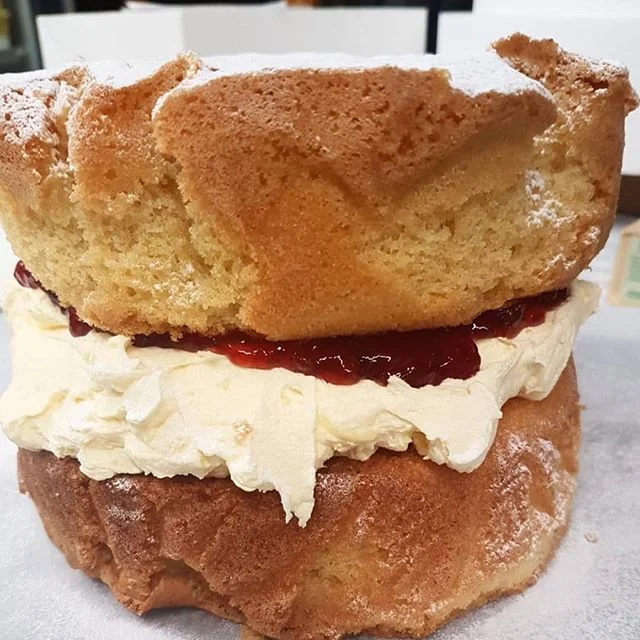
(590, 592)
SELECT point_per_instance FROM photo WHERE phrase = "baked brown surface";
(305, 203)
(395, 545)
(579, 156)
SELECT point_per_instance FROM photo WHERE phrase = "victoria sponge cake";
(292, 335)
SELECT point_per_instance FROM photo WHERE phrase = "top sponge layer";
(306, 195)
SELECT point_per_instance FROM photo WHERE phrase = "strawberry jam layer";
(423, 357)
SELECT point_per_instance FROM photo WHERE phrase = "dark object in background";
(64, 6)
(98, 5)
(47, 6)
(61, 6)
(24, 52)
(209, 1)
(445, 5)
(434, 6)
(629, 196)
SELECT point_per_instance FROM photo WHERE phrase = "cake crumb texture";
(208, 195)
(395, 545)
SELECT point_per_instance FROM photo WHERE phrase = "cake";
(292, 334)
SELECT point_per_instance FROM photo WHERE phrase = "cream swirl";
(122, 409)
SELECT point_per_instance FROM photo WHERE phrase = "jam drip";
(77, 327)
(423, 357)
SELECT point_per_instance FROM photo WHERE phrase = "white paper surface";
(67, 38)
(227, 29)
(590, 8)
(590, 592)
(278, 28)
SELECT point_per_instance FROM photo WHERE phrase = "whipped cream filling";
(122, 409)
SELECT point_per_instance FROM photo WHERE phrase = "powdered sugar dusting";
(22, 80)
(183, 293)
(114, 73)
(592, 235)
(119, 73)
(122, 484)
(124, 515)
(474, 75)
(519, 457)
(33, 102)
(605, 66)
(560, 259)
(25, 105)
(544, 209)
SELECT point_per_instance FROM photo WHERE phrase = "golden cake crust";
(300, 203)
(395, 545)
